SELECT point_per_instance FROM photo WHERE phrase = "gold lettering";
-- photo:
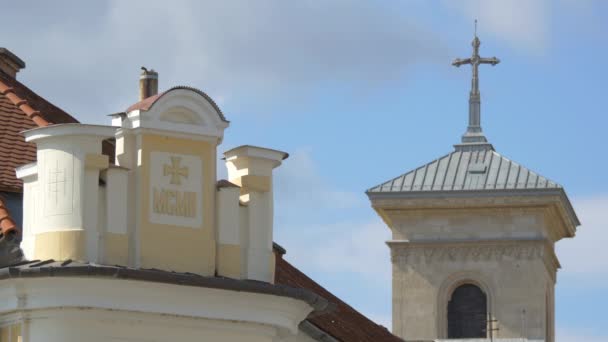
(160, 201)
(174, 203)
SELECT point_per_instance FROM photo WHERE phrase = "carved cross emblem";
(175, 171)
(57, 181)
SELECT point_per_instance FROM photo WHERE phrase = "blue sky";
(357, 92)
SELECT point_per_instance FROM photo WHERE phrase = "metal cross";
(473, 133)
(175, 171)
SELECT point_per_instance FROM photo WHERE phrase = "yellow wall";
(177, 248)
(229, 261)
(61, 245)
(116, 248)
(10, 333)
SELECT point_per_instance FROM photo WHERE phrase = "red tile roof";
(343, 324)
(7, 224)
(148, 102)
(21, 109)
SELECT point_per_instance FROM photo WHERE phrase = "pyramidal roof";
(474, 167)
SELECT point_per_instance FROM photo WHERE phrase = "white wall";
(103, 309)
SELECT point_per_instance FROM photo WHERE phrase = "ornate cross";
(175, 171)
(474, 133)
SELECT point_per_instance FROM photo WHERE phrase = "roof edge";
(13, 58)
(315, 332)
(30, 270)
(572, 217)
(146, 104)
(26, 100)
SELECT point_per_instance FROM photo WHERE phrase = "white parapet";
(29, 175)
(251, 168)
(229, 259)
(64, 190)
(114, 224)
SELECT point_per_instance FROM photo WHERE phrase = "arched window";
(467, 313)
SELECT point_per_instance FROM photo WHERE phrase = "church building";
(473, 241)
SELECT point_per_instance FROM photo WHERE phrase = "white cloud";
(322, 227)
(522, 23)
(586, 254)
(246, 52)
(567, 335)
(347, 247)
(300, 186)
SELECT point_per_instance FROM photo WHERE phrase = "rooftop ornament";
(474, 134)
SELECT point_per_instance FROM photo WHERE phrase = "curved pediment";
(182, 115)
(178, 110)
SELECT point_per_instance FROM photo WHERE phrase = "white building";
(127, 235)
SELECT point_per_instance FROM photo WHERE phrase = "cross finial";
(475, 27)
(474, 133)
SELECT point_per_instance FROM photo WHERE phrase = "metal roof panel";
(467, 169)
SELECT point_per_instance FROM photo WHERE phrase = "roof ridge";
(475, 172)
(21, 109)
(148, 102)
(25, 99)
(23, 105)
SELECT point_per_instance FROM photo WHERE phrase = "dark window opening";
(467, 313)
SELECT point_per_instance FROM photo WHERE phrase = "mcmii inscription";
(176, 189)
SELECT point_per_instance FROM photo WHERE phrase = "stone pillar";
(251, 168)
(229, 236)
(115, 245)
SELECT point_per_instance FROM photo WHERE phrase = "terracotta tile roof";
(7, 224)
(344, 323)
(147, 103)
(9, 237)
(21, 109)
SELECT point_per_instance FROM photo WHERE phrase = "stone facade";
(503, 244)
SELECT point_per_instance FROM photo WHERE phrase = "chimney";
(9, 63)
(148, 83)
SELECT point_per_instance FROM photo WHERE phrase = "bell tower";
(473, 236)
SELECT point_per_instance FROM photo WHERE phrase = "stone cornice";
(554, 201)
(407, 252)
